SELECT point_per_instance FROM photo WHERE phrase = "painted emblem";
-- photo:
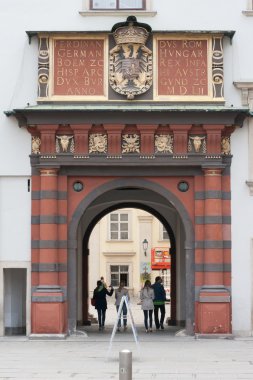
(197, 144)
(131, 143)
(163, 144)
(65, 144)
(97, 143)
(36, 142)
(130, 60)
(225, 145)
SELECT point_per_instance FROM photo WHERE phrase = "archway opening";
(158, 206)
(117, 252)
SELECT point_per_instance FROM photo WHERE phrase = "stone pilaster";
(147, 133)
(48, 309)
(47, 133)
(114, 138)
(81, 135)
(214, 312)
(180, 133)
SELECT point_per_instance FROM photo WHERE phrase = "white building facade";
(22, 24)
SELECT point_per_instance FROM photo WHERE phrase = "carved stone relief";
(36, 142)
(65, 144)
(225, 145)
(98, 143)
(130, 61)
(131, 143)
(217, 68)
(197, 144)
(43, 67)
(163, 144)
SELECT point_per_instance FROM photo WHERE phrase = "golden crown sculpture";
(128, 34)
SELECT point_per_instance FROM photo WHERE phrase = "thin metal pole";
(125, 365)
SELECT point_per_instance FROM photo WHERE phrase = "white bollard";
(125, 365)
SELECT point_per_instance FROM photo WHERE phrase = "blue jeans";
(101, 317)
(124, 310)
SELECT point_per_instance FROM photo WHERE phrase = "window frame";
(128, 213)
(118, 8)
(128, 265)
(162, 230)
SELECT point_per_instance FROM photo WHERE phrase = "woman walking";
(147, 295)
(99, 294)
(119, 293)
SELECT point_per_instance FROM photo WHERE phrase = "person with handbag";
(99, 296)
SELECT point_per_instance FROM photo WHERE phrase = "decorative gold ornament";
(36, 142)
(197, 143)
(225, 145)
(130, 61)
(48, 172)
(65, 144)
(131, 143)
(97, 143)
(163, 144)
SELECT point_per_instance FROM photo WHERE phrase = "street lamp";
(145, 246)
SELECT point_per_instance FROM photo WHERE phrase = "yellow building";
(120, 249)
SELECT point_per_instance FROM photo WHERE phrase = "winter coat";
(160, 294)
(100, 296)
(147, 295)
(119, 293)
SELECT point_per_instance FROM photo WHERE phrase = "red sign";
(79, 67)
(160, 258)
(182, 67)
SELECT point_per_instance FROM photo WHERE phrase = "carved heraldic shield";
(130, 61)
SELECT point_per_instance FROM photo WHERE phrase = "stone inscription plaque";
(182, 67)
(78, 67)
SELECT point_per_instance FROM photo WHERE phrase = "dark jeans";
(101, 317)
(158, 322)
(124, 310)
(148, 315)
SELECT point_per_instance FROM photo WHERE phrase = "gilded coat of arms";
(130, 60)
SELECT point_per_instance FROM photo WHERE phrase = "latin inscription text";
(79, 67)
(182, 68)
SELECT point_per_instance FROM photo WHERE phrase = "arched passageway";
(151, 197)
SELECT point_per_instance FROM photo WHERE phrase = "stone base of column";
(48, 311)
(214, 310)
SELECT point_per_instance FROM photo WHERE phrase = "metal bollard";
(125, 365)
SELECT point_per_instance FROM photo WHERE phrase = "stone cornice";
(135, 113)
(246, 87)
(248, 13)
(250, 186)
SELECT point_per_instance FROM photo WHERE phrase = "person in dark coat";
(99, 294)
(159, 302)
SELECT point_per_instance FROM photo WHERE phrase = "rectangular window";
(117, 4)
(119, 273)
(165, 235)
(119, 226)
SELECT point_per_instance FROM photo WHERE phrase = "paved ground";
(162, 357)
(159, 355)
